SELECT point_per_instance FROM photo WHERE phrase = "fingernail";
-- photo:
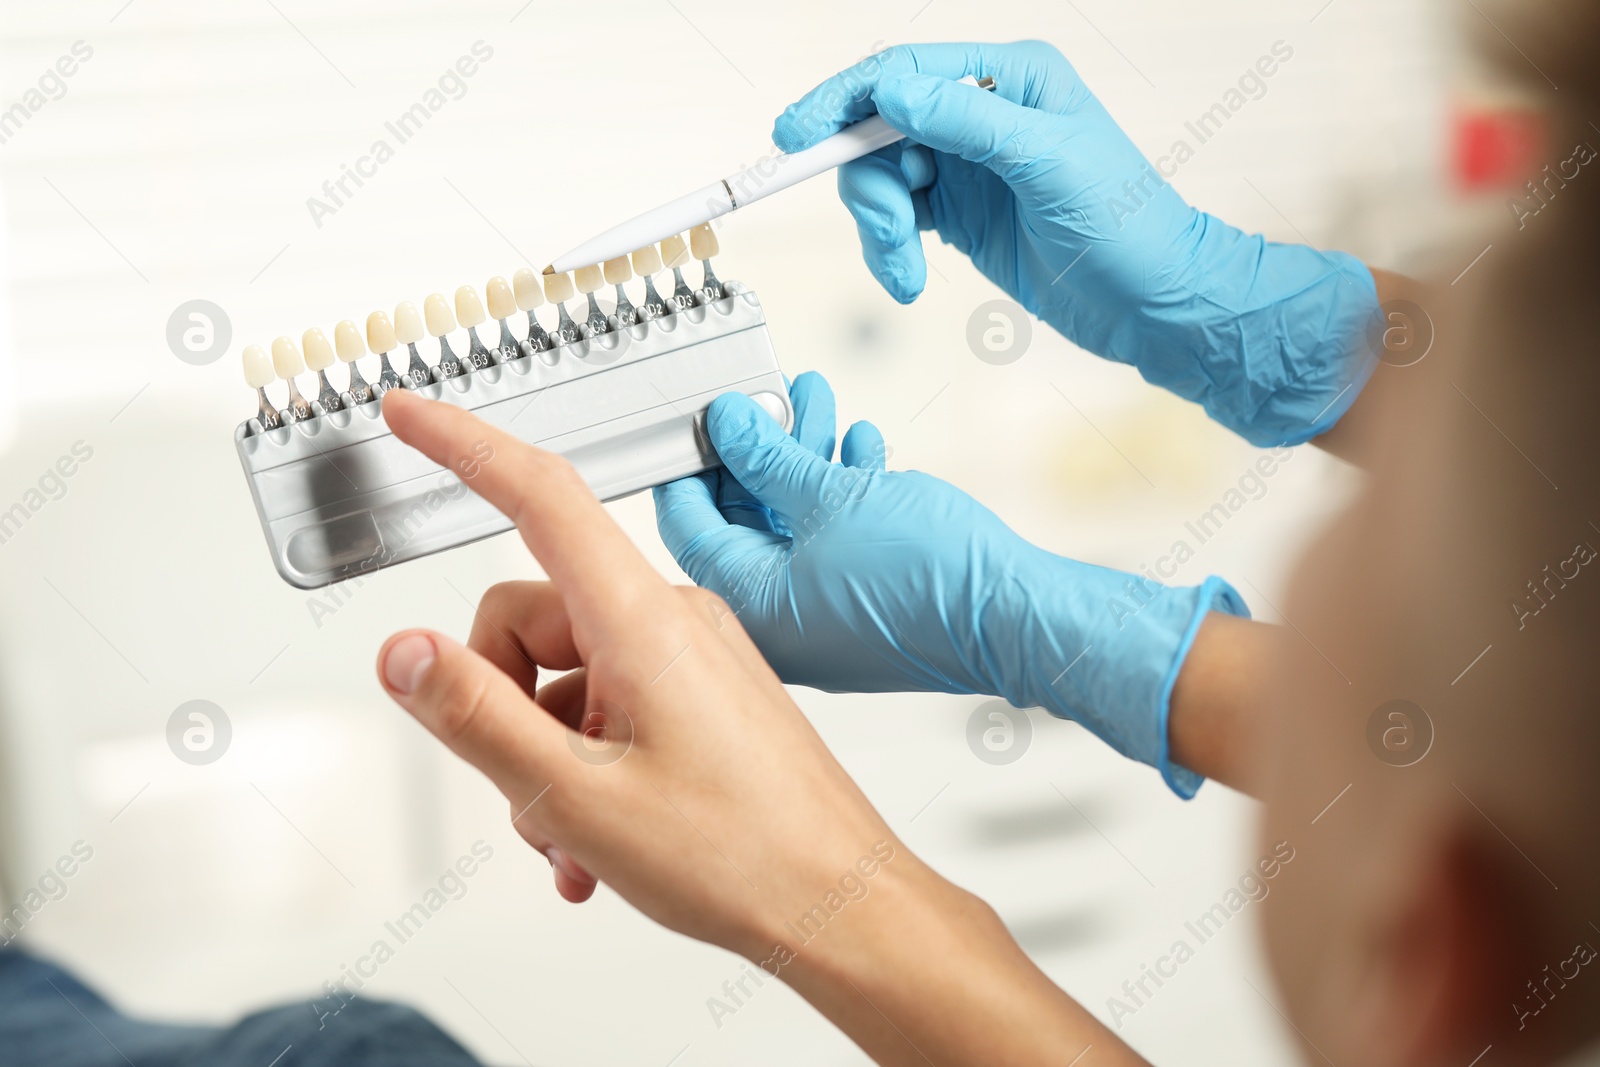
(558, 860)
(408, 660)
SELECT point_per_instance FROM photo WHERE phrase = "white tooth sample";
(469, 309)
(347, 342)
(674, 253)
(440, 319)
(380, 333)
(319, 353)
(258, 372)
(408, 323)
(286, 359)
(703, 241)
(617, 270)
(529, 295)
(647, 261)
(589, 279)
(558, 287)
(501, 301)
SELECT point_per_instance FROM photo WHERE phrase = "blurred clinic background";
(175, 164)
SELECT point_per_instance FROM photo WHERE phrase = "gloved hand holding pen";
(1033, 183)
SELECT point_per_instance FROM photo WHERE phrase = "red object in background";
(1496, 149)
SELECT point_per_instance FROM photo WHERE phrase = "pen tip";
(549, 270)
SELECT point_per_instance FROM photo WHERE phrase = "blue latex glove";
(1052, 201)
(853, 578)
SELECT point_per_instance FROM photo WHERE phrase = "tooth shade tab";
(380, 333)
(703, 241)
(258, 370)
(502, 304)
(347, 341)
(319, 357)
(674, 253)
(408, 323)
(440, 319)
(588, 279)
(617, 270)
(558, 288)
(319, 353)
(469, 309)
(529, 294)
(286, 358)
(647, 261)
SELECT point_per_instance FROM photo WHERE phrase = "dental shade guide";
(623, 397)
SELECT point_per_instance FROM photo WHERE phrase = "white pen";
(735, 191)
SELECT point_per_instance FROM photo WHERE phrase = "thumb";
(773, 467)
(963, 120)
(475, 709)
(709, 548)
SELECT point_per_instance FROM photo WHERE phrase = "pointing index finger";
(586, 554)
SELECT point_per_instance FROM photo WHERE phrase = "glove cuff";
(1104, 649)
(1214, 594)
